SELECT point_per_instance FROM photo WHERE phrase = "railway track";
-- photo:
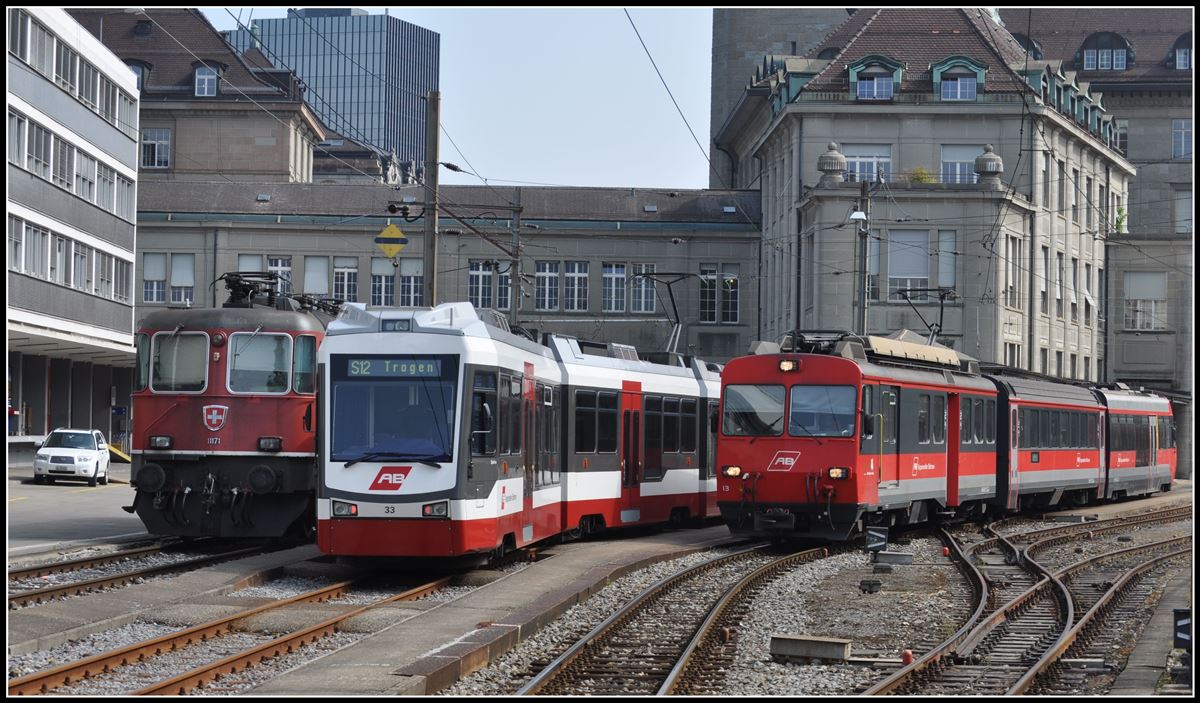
(111, 580)
(1025, 613)
(51, 680)
(637, 648)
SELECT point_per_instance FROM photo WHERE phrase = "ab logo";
(390, 478)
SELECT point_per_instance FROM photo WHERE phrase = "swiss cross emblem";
(214, 416)
(390, 478)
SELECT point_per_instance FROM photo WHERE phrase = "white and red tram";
(444, 434)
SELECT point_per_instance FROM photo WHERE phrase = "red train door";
(889, 410)
(953, 448)
(631, 451)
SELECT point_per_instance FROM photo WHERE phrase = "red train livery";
(848, 431)
(224, 433)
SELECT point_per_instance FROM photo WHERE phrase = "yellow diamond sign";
(391, 241)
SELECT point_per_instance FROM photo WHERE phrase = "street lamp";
(860, 217)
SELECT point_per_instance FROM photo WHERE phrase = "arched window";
(1030, 45)
(206, 81)
(1180, 55)
(1104, 51)
(875, 78)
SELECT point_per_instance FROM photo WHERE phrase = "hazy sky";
(565, 96)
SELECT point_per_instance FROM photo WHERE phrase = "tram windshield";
(393, 406)
(821, 411)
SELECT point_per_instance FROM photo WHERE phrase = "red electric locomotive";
(224, 426)
(847, 431)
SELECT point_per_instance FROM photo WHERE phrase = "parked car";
(73, 454)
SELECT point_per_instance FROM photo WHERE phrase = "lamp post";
(864, 230)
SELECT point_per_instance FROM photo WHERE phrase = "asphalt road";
(40, 517)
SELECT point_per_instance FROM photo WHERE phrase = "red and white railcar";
(1141, 442)
(443, 434)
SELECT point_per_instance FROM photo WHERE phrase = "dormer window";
(1105, 51)
(140, 71)
(958, 88)
(1180, 55)
(875, 88)
(206, 82)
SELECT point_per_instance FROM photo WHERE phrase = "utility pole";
(432, 108)
(514, 269)
(865, 229)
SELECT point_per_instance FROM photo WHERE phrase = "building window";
(206, 82)
(575, 286)
(947, 258)
(1145, 300)
(958, 163)
(412, 283)
(1181, 143)
(17, 126)
(1088, 301)
(37, 250)
(961, 88)
(875, 88)
(1089, 60)
(1060, 288)
(546, 289)
(60, 259)
(1087, 368)
(156, 147)
(1044, 280)
(1074, 366)
(154, 278)
(1046, 172)
(1058, 359)
(64, 164)
(383, 282)
(345, 278)
(316, 275)
(867, 162)
(479, 283)
(104, 275)
(121, 271)
(1183, 211)
(1045, 358)
(1122, 128)
(719, 293)
(614, 287)
(1183, 59)
(642, 294)
(66, 67)
(139, 71)
(1087, 196)
(281, 266)
(183, 278)
(1074, 287)
(1062, 188)
(1075, 195)
(908, 264)
(1014, 265)
(125, 199)
(504, 289)
(89, 84)
(16, 239)
(1012, 355)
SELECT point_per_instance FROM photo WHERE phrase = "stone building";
(1141, 60)
(986, 174)
(585, 253)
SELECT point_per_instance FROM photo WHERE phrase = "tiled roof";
(919, 38)
(171, 65)
(1151, 32)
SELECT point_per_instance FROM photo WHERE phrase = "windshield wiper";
(426, 460)
(810, 434)
(766, 432)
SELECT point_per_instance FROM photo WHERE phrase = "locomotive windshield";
(753, 410)
(179, 362)
(821, 411)
(393, 406)
(259, 363)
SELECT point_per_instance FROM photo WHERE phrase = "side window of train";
(923, 419)
(964, 420)
(484, 414)
(977, 417)
(304, 365)
(939, 419)
(670, 425)
(585, 422)
(687, 425)
(1023, 422)
(868, 416)
(990, 423)
(606, 423)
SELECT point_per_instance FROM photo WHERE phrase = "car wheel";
(92, 480)
(39, 479)
(50, 480)
(104, 478)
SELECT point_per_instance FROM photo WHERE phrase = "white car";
(73, 454)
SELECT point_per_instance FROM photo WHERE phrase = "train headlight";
(341, 509)
(788, 365)
(270, 444)
(440, 509)
(732, 471)
(839, 472)
(159, 441)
